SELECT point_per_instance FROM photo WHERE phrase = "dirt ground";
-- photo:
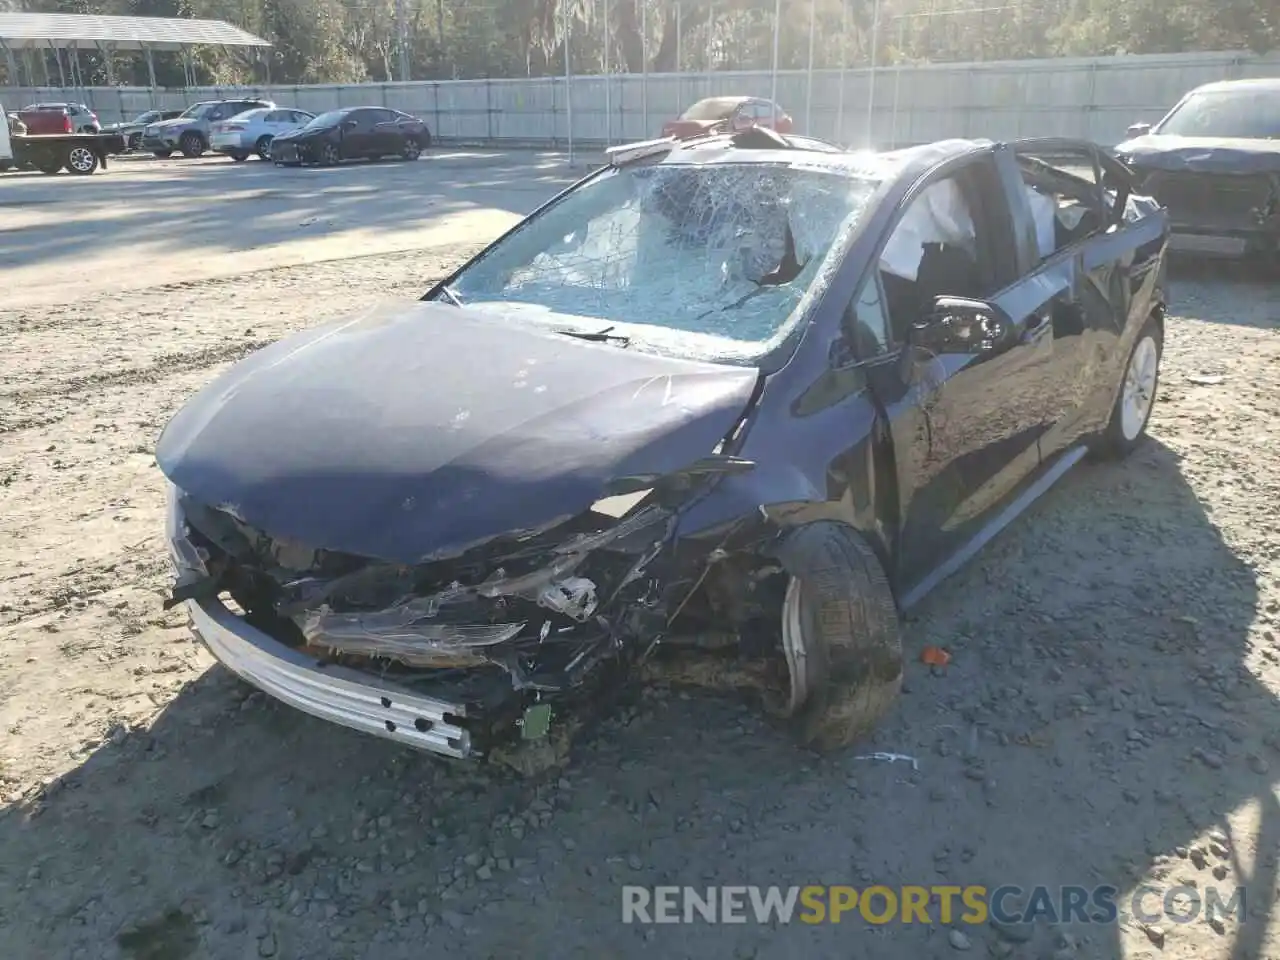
(1109, 716)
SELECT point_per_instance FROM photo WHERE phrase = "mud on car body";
(731, 401)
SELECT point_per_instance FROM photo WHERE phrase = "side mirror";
(958, 325)
(1138, 130)
(348, 124)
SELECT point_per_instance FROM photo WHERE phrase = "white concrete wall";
(1095, 97)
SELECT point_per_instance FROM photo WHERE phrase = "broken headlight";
(553, 588)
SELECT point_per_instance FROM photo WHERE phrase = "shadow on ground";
(211, 204)
(1097, 720)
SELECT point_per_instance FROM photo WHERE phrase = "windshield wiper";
(598, 336)
(450, 295)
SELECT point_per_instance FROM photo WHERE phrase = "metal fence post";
(435, 95)
(568, 84)
(644, 64)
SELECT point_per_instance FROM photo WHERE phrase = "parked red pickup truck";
(42, 118)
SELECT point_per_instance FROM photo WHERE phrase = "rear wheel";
(81, 160)
(840, 635)
(263, 147)
(191, 145)
(1132, 411)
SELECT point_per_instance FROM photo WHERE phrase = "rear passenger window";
(1065, 199)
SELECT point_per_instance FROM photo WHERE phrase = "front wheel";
(191, 145)
(329, 155)
(411, 150)
(840, 635)
(263, 147)
(1137, 396)
(82, 161)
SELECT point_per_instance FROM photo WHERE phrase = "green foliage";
(336, 41)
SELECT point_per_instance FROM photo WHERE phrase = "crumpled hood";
(300, 134)
(416, 430)
(1202, 154)
(171, 124)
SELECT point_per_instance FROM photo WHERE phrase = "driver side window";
(953, 239)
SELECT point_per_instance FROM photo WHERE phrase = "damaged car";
(731, 401)
(1214, 163)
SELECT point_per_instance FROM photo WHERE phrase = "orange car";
(717, 114)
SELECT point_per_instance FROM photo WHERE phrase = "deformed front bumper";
(329, 692)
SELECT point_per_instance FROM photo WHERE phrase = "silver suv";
(189, 131)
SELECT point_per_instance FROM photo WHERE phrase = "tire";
(329, 155)
(263, 147)
(411, 150)
(162, 154)
(1136, 397)
(191, 145)
(81, 161)
(238, 157)
(841, 635)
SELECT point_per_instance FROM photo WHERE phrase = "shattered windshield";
(708, 259)
(1245, 114)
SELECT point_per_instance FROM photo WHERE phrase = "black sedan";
(1214, 162)
(735, 402)
(353, 133)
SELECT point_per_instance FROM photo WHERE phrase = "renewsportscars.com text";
(932, 904)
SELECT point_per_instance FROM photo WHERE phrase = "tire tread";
(858, 653)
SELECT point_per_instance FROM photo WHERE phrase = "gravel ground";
(1108, 717)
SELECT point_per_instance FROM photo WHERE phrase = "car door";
(277, 122)
(965, 421)
(1084, 255)
(357, 134)
(388, 136)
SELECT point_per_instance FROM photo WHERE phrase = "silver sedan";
(252, 131)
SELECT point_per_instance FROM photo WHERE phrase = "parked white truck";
(78, 153)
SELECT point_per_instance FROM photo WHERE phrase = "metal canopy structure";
(57, 32)
(65, 31)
